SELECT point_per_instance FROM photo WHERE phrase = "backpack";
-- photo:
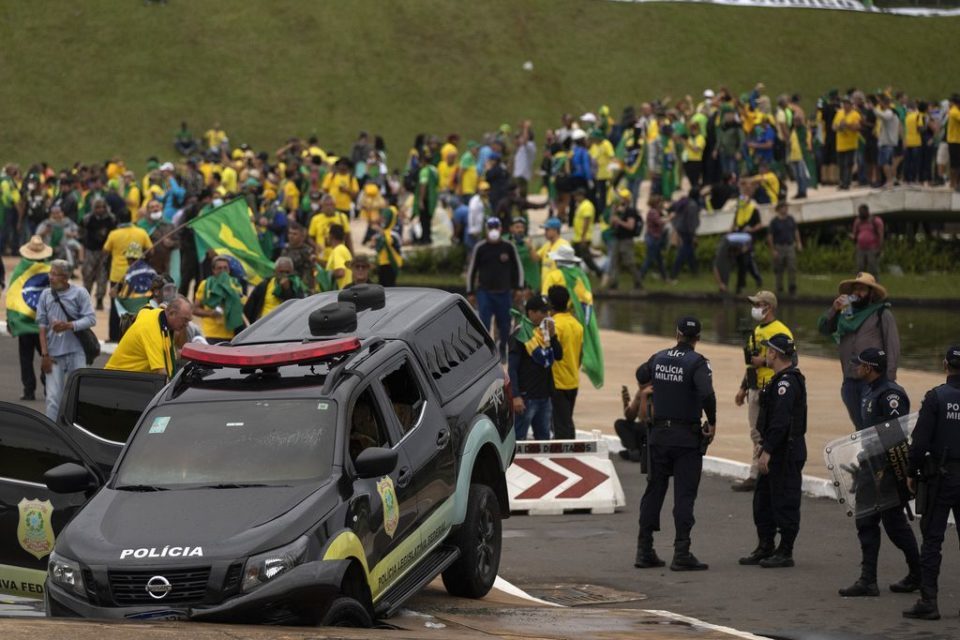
(638, 227)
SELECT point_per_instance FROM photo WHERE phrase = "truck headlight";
(66, 573)
(267, 566)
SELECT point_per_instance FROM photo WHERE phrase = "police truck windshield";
(230, 444)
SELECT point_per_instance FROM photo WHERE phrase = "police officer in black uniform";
(882, 400)
(782, 424)
(682, 391)
(937, 434)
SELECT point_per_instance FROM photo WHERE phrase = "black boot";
(924, 609)
(781, 558)
(908, 585)
(647, 558)
(765, 549)
(864, 587)
(683, 560)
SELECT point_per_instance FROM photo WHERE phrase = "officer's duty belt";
(675, 424)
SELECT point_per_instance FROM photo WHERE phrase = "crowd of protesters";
(693, 155)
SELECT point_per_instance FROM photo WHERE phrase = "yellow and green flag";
(229, 230)
(27, 282)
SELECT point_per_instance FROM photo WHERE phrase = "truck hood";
(124, 528)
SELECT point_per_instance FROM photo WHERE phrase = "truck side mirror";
(69, 478)
(376, 461)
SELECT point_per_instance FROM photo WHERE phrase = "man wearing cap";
(882, 400)
(936, 435)
(783, 425)
(626, 225)
(534, 348)
(758, 374)
(494, 275)
(682, 392)
(860, 318)
(551, 233)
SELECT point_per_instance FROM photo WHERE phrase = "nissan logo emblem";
(158, 587)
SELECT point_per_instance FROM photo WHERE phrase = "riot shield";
(869, 467)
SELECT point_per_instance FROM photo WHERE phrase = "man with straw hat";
(27, 282)
(859, 319)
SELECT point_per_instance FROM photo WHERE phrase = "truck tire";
(479, 540)
(346, 612)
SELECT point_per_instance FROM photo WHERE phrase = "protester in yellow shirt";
(693, 149)
(847, 125)
(214, 319)
(338, 264)
(551, 232)
(147, 346)
(914, 124)
(229, 179)
(320, 225)
(342, 185)
(566, 371)
(122, 243)
(215, 137)
(291, 193)
(953, 140)
(584, 216)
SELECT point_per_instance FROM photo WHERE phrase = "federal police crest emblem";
(35, 530)
(391, 510)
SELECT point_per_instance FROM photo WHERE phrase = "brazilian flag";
(229, 230)
(27, 282)
(592, 363)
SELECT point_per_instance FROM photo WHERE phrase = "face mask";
(493, 235)
(757, 313)
(853, 298)
(156, 215)
(314, 206)
(863, 216)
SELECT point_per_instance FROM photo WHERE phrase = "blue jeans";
(800, 175)
(62, 366)
(851, 391)
(538, 413)
(496, 304)
(654, 256)
(686, 254)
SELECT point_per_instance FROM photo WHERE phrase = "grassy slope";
(86, 80)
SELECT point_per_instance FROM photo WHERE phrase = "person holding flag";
(228, 230)
(271, 293)
(534, 348)
(570, 275)
(218, 303)
(551, 233)
(387, 242)
(135, 292)
(519, 239)
(28, 280)
(569, 334)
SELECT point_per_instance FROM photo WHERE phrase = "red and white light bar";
(267, 355)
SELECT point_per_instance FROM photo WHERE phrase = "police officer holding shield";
(682, 392)
(782, 424)
(935, 462)
(882, 400)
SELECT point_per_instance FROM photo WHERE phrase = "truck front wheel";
(479, 539)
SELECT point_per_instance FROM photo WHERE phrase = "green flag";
(229, 230)
(592, 363)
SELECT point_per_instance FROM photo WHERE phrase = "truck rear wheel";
(479, 540)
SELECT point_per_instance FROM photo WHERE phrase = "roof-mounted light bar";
(267, 355)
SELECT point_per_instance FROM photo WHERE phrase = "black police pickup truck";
(330, 461)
